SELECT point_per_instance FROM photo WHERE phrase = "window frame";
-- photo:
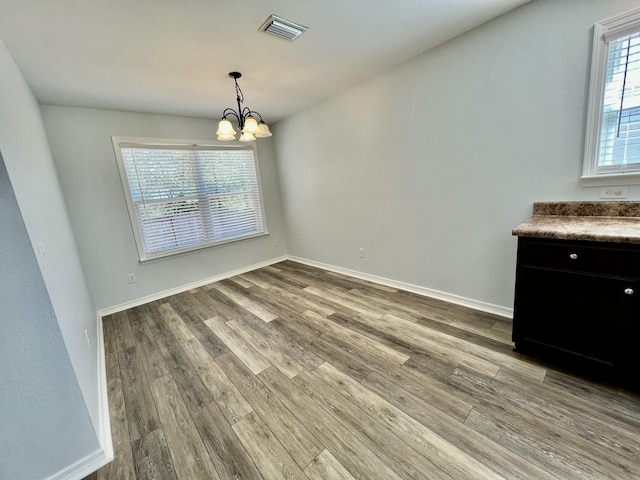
(603, 32)
(179, 143)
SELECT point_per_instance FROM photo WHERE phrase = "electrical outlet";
(361, 252)
(131, 277)
(275, 241)
(614, 192)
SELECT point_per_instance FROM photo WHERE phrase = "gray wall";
(27, 158)
(44, 422)
(430, 165)
(80, 140)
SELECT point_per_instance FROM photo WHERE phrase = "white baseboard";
(183, 288)
(83, 467)
(104, 454)
(427, 292)
(104, 429)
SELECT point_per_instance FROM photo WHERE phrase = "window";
(612, 146)
(183, 195)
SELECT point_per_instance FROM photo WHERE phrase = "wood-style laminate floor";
(291, 372)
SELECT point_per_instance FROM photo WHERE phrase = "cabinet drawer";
(597, 257)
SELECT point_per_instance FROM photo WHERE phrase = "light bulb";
(250, 126)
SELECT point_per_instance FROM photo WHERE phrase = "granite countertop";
(617, 222)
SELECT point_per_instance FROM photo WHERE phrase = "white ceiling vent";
(282, 28)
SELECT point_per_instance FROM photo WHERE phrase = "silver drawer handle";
(573, 256)
(628, 291)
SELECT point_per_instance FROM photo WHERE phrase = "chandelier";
(250, 128)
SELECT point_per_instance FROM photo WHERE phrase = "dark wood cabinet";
(577, 303)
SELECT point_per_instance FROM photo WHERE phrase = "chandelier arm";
(231, 111)
(246, 112)
(253, 113)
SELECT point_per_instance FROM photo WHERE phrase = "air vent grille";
(282, 28)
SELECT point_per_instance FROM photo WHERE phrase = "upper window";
(613, 125)
(183, 196)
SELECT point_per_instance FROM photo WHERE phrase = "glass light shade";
(247, 137)
(225, 128)
(225, 138)
(250, 126)
(263, 130)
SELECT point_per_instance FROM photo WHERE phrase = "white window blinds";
(619, 145)
(612, 135)
(183, 197)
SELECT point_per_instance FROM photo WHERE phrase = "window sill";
(187, 251)
(613, 179)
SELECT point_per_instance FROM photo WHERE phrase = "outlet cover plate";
(614, 192)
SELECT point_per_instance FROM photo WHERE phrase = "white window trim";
(616, 27)
(117, 141)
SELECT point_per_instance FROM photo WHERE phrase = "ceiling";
(173, 56)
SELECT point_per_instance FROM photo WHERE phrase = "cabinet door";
(575, 313)
(628, 357)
